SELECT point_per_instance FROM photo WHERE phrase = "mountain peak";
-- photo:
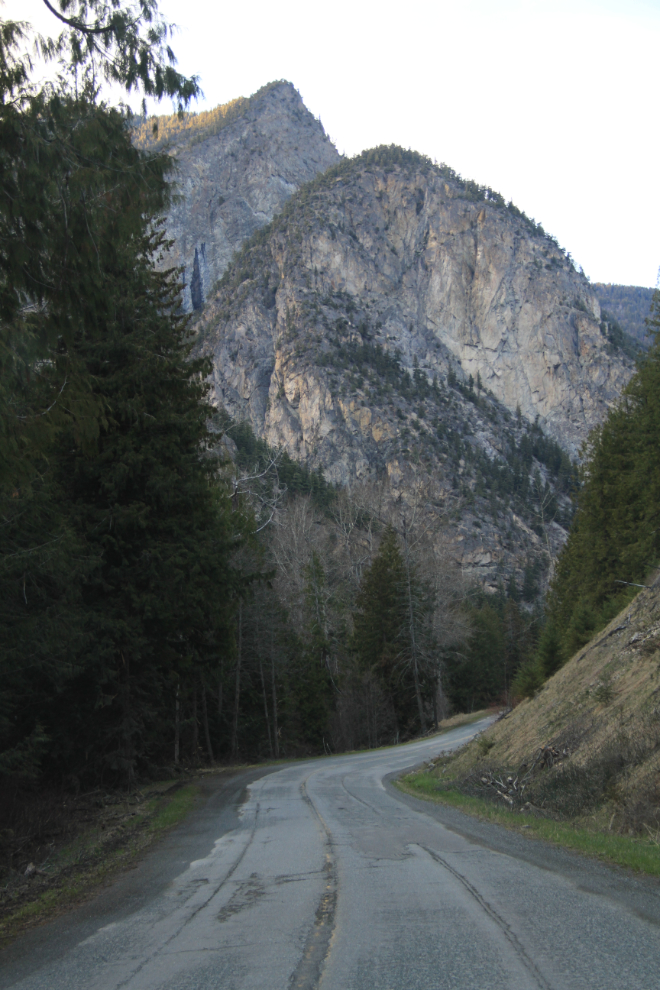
(238, 164)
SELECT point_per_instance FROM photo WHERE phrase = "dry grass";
(587, 747)
(456, 721)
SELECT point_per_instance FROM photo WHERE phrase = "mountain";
(384, 318)
(236, 167)
(390, 250)
(629, 305)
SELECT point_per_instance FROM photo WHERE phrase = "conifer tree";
(477, 673)
(147, 499)
(615, 535)
(380, 619)
(115, 575)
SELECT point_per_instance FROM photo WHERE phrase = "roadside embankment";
(579, 764)
(63, 847)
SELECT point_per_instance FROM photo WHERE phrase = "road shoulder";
(637, 893)
(134, 882)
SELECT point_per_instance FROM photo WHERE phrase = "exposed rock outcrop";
(401, 254)
(386, 318)
(235, 171)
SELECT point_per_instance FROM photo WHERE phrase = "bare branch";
(78, 25)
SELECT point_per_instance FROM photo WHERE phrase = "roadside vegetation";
(614, 541)
(579, 763)
(80, 842)
(636, 853)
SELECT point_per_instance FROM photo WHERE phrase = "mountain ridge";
(562, 373)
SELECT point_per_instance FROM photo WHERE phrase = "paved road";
(327, 877)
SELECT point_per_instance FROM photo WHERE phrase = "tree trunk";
(276, 731)
(267, 716)
(126, 731)
(237, 685)
(205, 723)
(413, 638)
(195, 724)
(177, 726)
(418, 695)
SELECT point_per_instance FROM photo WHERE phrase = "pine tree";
(380, 617)
(615, 536)
(114, 557)
(312, 687)
(477, 674)
(147, 499)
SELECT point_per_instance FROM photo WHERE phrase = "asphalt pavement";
(321, 875)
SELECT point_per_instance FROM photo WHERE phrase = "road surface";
(321, 874)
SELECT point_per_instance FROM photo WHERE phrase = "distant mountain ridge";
(629, 305)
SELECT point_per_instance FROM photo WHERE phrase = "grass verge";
(83, 865)
(642, 855)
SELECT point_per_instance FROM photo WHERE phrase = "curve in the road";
(323, 877)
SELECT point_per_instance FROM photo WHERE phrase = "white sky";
(552, 103)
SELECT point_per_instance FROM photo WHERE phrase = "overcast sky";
(552, 103)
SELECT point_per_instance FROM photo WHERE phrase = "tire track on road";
(506, 929)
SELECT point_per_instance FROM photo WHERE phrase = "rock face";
(382, 318)
(392, 252)
(395, 322)
(234, 174)
(630, 305)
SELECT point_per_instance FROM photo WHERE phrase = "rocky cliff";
(396, 321)
(629, 306)
(385, 318)
(236, 167)
(391, 251)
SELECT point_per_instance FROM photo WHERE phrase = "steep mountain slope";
(394, 320)
(589, 742)
(390, 251)
(237, 166)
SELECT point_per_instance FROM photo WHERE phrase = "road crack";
(308, 972)
(200, 907)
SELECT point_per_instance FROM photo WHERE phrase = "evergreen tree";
(380, 618)
(147, 499)
(615, 535)
(115, 576)
(477, 674)
(312, 689)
